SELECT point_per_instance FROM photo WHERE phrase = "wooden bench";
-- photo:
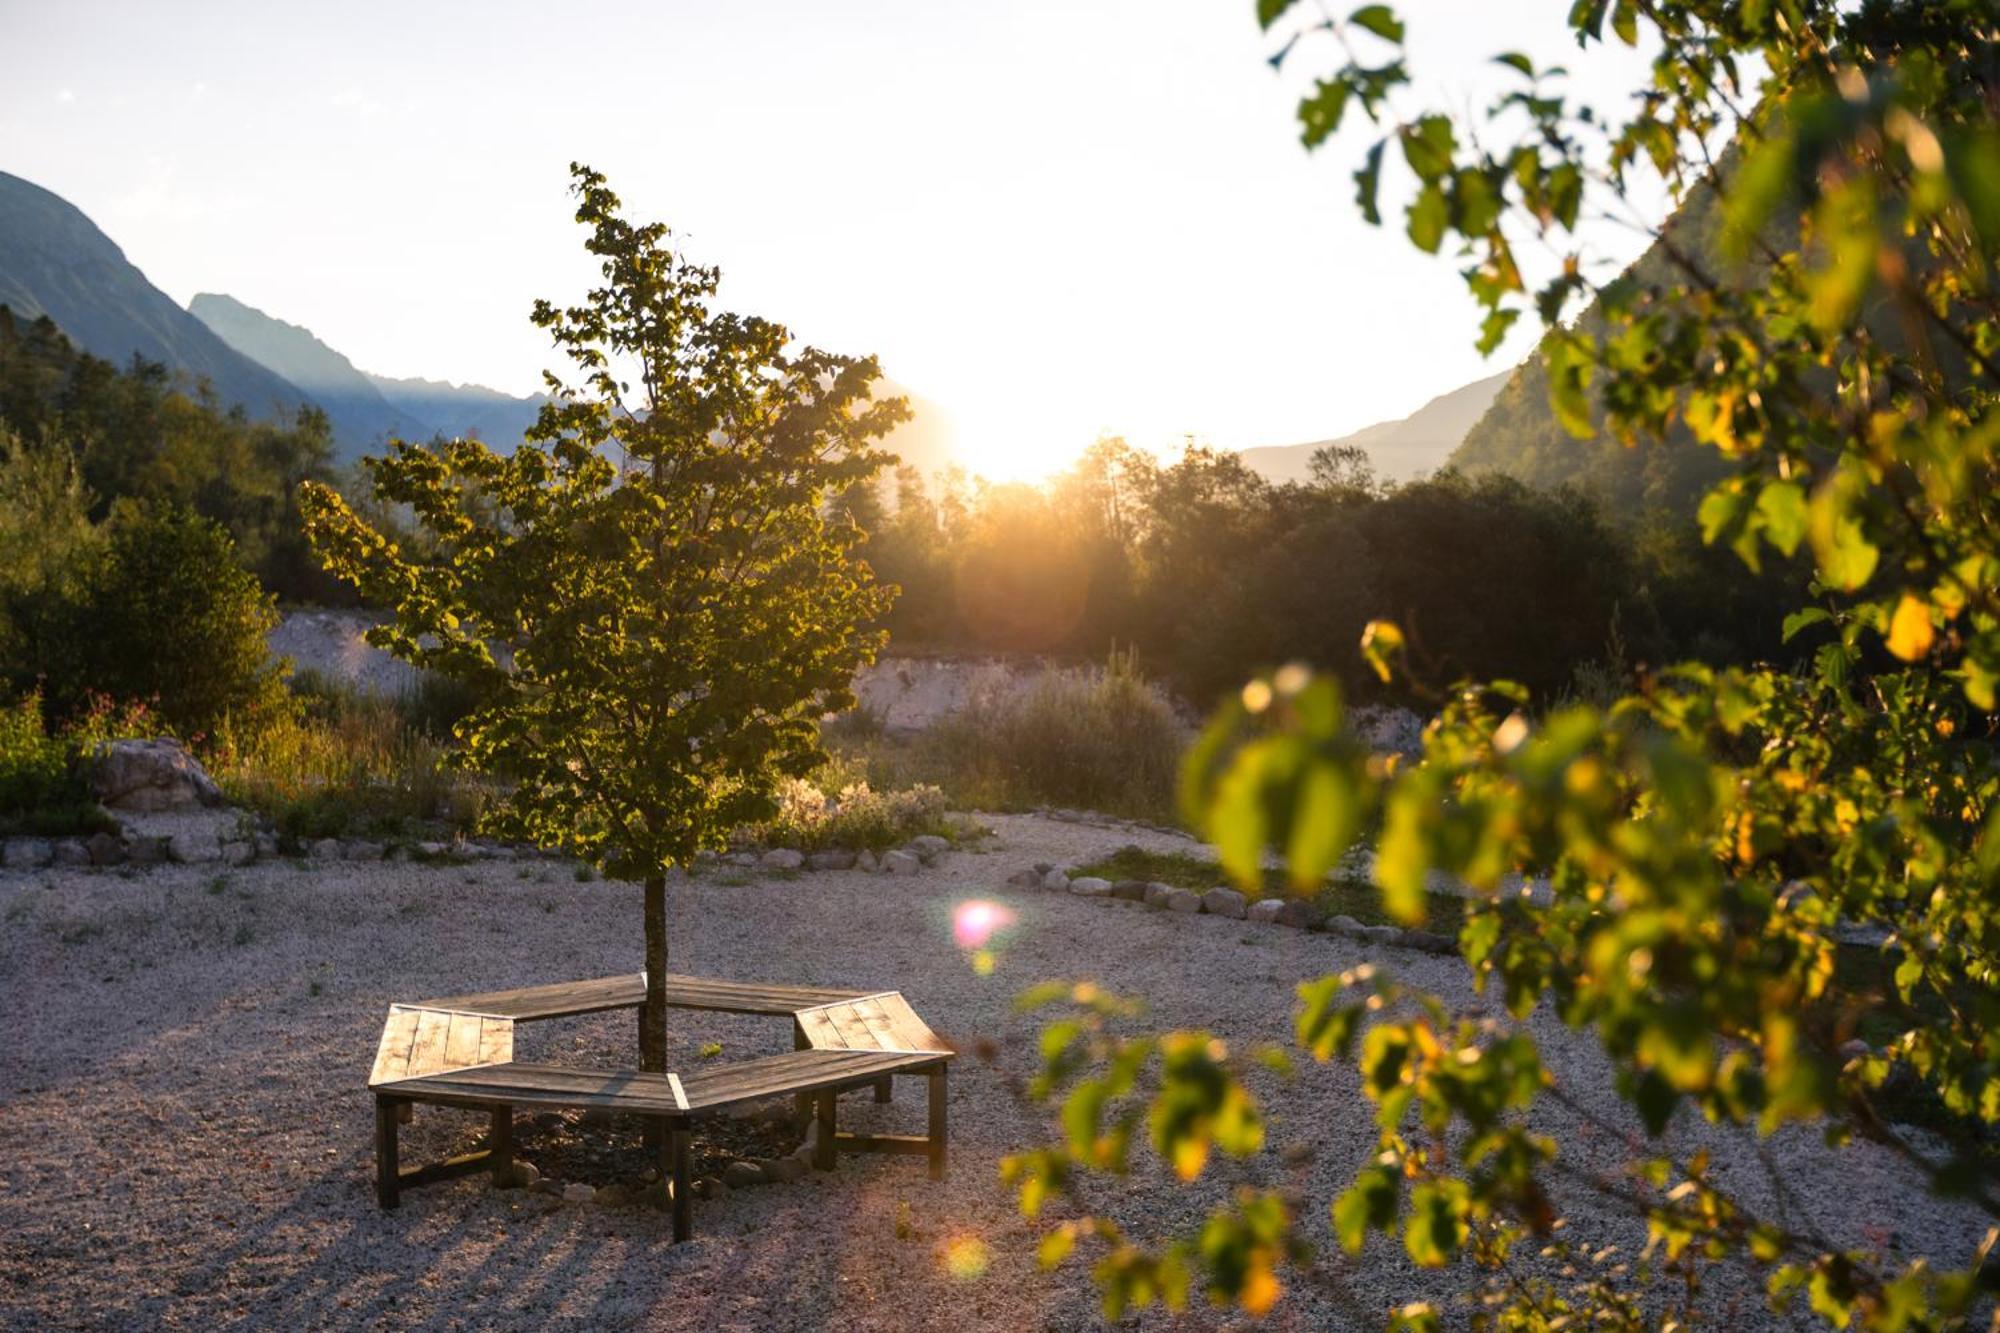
(458, 1052)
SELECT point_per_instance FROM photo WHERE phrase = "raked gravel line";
(187, 1138)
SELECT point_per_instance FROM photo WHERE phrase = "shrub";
(43, 789)
(1102, 740)
(164, 615)
(852, 814)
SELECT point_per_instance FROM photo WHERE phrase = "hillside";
(54, 261)
(361, 417)
(1403, 450)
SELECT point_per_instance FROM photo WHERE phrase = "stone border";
(1227, 902)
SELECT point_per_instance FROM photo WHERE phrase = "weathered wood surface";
(568, 999)
(881, 1022)
(418, 1040)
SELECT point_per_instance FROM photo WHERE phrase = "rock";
(1156, 894)
(1299, 915)
(1132, 890)
(267, 844)
(1056, 882)
(708, 1187)
(431, 849)
(189, 848)
(1395, 731)
(546, 1186)
(901, 863)
(150, 775)
(1348, 926)
(518, 1176)
(1224, 902)
(1428, 941)
(361, 850)
(1026, 879)
(783, 1169)
(578, 1192)
(238, 853)
(549, 1120)
(1388, 935)
(1182, 900)
(72, 852)
(832, 859)
(739, 1175)
(105, 850)
(1044, 867)
(1855, 1049)
(740, 859)
(1090, 887)
(148, 851)
(781, 858)
(867, 862)
(1265, 909)
(27, 853)
(326, 849)
(613, 1196)
(929, 846)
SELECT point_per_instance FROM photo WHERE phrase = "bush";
(164, 615)
(1100, 740)
(840, 810)
(43, 788)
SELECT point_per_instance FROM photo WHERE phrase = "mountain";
(54, 261)
(453, 410)
(362, 418)
(1400, 450)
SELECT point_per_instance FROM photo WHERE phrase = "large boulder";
(149, 775)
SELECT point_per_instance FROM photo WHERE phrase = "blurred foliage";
(1707, 837)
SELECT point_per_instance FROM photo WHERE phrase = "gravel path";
(188, 1138)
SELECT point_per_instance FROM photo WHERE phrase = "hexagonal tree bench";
(458, 1051)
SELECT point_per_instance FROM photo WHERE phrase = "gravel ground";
(188, 1136)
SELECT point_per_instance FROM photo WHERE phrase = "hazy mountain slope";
(1400, 450)
(362, 418)
(452, 410)
(54, 261)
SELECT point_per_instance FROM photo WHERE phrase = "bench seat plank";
(569, 999)
(417, 1040)
(882, 1022)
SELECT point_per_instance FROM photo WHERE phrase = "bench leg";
(885, 1089)
(937, 1128)
(802, 1103)
(500, 1146)
(388, 1173)
(825, 1151)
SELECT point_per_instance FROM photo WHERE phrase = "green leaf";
(1436, 1228)
(1320, 113)
(1270, 11)
(1369, 1204)
(1368, 183)
(1428, 216)
(1325, 811)
(1380, 20)
(1781, 505)
(1799, 621)
(1515, 60)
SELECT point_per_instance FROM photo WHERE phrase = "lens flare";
(975, 922)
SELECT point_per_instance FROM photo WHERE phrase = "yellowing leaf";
(1910, 633)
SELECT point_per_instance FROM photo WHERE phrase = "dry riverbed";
(188, 1139)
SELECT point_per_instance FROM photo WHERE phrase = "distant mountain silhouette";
(1420, 443)
(362, 417)
(54, 261)
(453, 410)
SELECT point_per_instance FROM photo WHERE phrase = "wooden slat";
(912, 1033)
(496, 1040)
(821, 1030)
(852, 1027)
(427, 1051)
(680, 1094)
(571, 998)
(461, 1041)
(392, 1056)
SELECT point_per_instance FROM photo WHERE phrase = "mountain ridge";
(1399, 450)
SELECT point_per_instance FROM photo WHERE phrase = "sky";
(1054, 219)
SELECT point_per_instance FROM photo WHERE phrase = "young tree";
(648, 595)
(1705, 841)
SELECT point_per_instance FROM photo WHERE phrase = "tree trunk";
(653, 1018)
